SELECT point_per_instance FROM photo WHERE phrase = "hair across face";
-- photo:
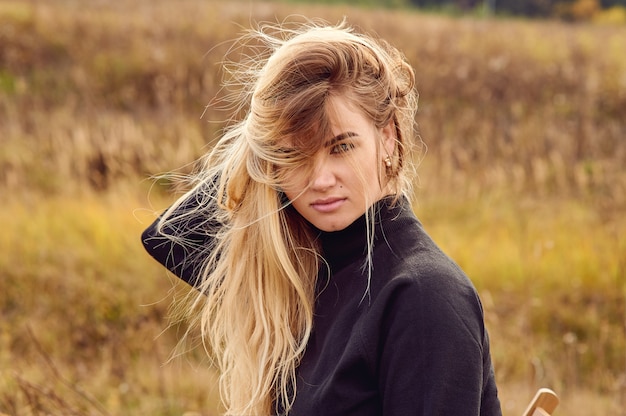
(345, 176)
(291, 117)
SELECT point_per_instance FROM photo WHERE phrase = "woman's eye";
(341, 148)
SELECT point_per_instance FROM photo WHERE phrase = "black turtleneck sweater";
(410, 341)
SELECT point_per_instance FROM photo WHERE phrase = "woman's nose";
(323, 176)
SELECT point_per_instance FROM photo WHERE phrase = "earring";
(387, 162)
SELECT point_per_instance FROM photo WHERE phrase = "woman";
(319, 293)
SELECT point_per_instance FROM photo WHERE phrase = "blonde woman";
(318, 290)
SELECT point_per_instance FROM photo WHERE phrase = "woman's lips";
(327, 205)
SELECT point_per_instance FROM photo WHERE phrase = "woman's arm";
(434, 357)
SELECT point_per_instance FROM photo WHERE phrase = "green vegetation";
(599, 11)
(523, 184)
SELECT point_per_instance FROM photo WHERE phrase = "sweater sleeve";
(184, 241)
(433, 350)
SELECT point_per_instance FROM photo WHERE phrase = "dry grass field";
(524, 184)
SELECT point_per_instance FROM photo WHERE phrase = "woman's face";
(344, 180)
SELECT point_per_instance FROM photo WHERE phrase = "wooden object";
(543, 404)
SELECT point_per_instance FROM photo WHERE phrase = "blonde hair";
(257, 279)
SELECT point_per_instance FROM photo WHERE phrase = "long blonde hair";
(257, 278)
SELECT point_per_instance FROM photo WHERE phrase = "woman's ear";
(389, 138)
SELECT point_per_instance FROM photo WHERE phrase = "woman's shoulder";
(430, 293)
(410, 267)
(407, 254)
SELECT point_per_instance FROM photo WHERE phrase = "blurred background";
(522, 107)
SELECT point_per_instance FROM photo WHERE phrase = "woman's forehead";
(340, 118)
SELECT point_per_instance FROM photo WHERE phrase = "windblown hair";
(256, 278)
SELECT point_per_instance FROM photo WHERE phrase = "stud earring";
(387, 162)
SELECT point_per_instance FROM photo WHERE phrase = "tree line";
(570, 10)
(567, 9)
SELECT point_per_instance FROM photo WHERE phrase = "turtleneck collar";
(340, 248)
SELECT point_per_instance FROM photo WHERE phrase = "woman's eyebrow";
(340, 137)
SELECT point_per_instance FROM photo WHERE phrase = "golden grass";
(523, 184)
(84, 314)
